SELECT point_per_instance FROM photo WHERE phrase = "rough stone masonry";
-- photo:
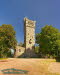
(29, 37)
(29, 40)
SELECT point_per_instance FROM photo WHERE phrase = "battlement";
(29, 23)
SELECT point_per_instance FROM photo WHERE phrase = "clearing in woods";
(32, 65)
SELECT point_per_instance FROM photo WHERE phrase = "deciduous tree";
(49, 41)
(7, 39)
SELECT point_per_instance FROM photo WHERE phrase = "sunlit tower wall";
(29, 36)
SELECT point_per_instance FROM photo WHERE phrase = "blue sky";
(42, 11)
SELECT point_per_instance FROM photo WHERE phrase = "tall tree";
(49, 40)
(7, 39)
(21, 44)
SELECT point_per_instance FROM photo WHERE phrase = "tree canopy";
(21, 44)
(49, 41)
(7, 39)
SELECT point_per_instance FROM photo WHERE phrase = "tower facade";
(29, 36)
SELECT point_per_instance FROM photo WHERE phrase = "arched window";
(30, 41)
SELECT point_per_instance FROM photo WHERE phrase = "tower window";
(28, 33)
(30, 41)
(19, 50)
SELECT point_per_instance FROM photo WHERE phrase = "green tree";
(21, 44)
(7, 39)
(49, 41)
(36, 49)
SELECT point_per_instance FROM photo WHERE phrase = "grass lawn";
(3, 58)
(44, 64)
(34, 66)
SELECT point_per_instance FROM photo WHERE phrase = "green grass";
(3, 58)
(45, 64)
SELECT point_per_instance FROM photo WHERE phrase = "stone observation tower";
(29, 40)
(29, 37)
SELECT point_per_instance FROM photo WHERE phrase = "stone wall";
(29, 40)
(29, 36)
(19, 51)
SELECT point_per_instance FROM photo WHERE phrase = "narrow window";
(19, 50)
(30, 41)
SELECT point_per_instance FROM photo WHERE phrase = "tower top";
(29, 23)
(28, 19)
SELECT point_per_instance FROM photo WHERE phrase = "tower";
(29, 36)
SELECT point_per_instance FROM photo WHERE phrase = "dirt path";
(54, 67)
(33, 66)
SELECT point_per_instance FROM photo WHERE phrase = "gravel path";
(54, 67)
(33, 66)
(22, 64)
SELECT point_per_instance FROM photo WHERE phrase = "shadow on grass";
(57, 59)
(14, 71)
